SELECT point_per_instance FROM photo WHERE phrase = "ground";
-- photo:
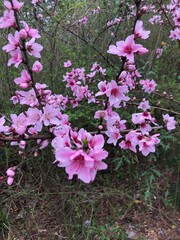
(47, 208)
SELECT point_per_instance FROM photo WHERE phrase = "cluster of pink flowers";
(79, 152)
(114, 22)
(10, 175)
(156, 19)
(115, 93)
(172, 12)
(174, 7)
(15, 46)
(145, 143)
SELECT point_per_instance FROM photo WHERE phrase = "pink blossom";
(74, 102)
(8, 20)
(24, 80)
(129, 66)
(33, 48)
(14, 99)
(23, 34)
(130, 142)
(97, 68)
(169, 121)
(10, 175)
(113, 135)
(144, 105)
(83, 21)
(127, 48)
(145, 127)
(28, 97)
(176, 20)
(14, 42)
(61, 142)
(2, 127)
(80, 92)
(83, 162)
(90, 97)
(67, 64)
(141, 50)
(10, 181)
(175, 34)
(76, 163)
(16, 5)
(98, 156)
(116, 122)
(32, 131)
(147, 144)
(37, 67)
(155, 138)
(148, 85)
(31, 32)
(96, 142)
(10, 172)
(50, 115)
(34, 116)
(101, 114)
(116, 93)
(16, 58)
(102, 87)
(19, 123)
(140, 32)
(139, 118)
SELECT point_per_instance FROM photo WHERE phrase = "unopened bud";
(100, 127)
(22, 144)
(143, 9)
(23, 34)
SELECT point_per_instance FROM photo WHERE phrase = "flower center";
(79, 159)
(114, 92)
(128, 49)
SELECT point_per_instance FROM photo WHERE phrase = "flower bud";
(23, 34)
(100, 127)
(10, 173)
(10, 181)
(37, 67)
(22, 144)
(143, 9)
